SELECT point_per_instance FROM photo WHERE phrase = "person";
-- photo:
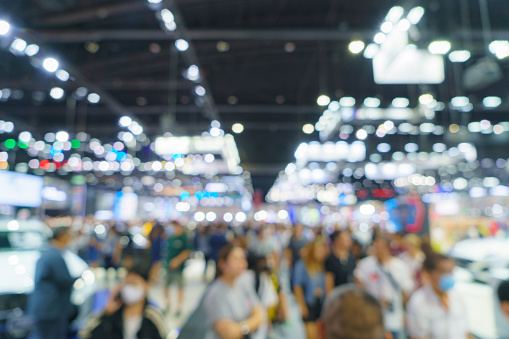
(232, 308)
(296, 244)
(127, 314)
(309, 284)
(340, 264)
(111, 248)
(388, 279)
(156, 238)
(435, 311)
(177, 252)
(217, 241)
(503, 297)
(351, 313)
(413, 256)
(50, 302)
(201, 243)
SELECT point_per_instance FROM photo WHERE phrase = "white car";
(482, 257)
(20, 245)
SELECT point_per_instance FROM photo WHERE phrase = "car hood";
(486, 249)
(18, 268)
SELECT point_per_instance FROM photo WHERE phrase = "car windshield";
(21, 240)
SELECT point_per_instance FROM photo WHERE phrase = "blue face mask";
(447, 282)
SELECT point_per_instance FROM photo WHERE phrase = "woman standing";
(232, 308)
(309, 284)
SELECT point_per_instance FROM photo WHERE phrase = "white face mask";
(131, 294)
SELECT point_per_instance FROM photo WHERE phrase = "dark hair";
(352, 313)
(140, 268)
(432, 258)
(59, 231)
(335, 235)
(224, 253)
(503, 291)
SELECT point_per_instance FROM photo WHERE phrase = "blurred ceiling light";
(379, 38)
(62, 136)
(93, 98)
(5, 27)
(425, 99)
(460, 101)
(32, 50)
(404, 25)
(193, 73)
(400, 102)
(347, 102)
(237, 128)
(171, 26)
(411, 147)
(439, 47)
(50, 64)
(215, 132)
(498, 129)
(222, 46)
(154, 1)
(19, 45)
(386, 27)
(308, 128)
(372, 102)
(125, 121)
(167, 15)
(371, 51)
(395, 13)
(182, 45)
(56, 93)
(361, 134)
(215, 123)
(492, 102)
(323, 100)
(356, 46)
(383, 147)
(415, 15)
(62, 75)
(334, 106)
(459, 56)
(200, 90)
(500, 48)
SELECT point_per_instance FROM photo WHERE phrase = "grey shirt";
(232, 302)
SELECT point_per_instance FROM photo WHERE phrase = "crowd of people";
(394, 286)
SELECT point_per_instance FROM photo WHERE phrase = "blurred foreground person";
(435, 311)
(388, 279)
(340, 264)
(127, 314)
(503, 297)
(177, 253)
(413, 256)
(50, 303)
(309, 284)
(231, 304)
(352, 313)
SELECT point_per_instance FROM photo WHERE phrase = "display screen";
(20, 189)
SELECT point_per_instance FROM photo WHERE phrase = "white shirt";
(427, 317)
(131, 327)
(414, 263)
(378, 283)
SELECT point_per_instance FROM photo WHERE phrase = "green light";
(75, 143)
(10, 143)
(22, 145)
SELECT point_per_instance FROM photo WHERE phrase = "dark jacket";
(112, 326)
(51, 298)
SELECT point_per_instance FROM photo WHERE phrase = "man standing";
(50, 303)
(177, 252)
(340, 264)
(389, 280)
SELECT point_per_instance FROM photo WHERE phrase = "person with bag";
(389, 280)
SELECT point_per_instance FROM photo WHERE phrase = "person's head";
(381, 247)
(439, 268)
(351, 313)
(412, 243)
(314, 254)
(62, 236)
(297, 231)
(231, 261)
(341, 239)
(136, 284)
(177, 227)
(503, 297)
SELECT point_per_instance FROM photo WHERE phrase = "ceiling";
(264, 63)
